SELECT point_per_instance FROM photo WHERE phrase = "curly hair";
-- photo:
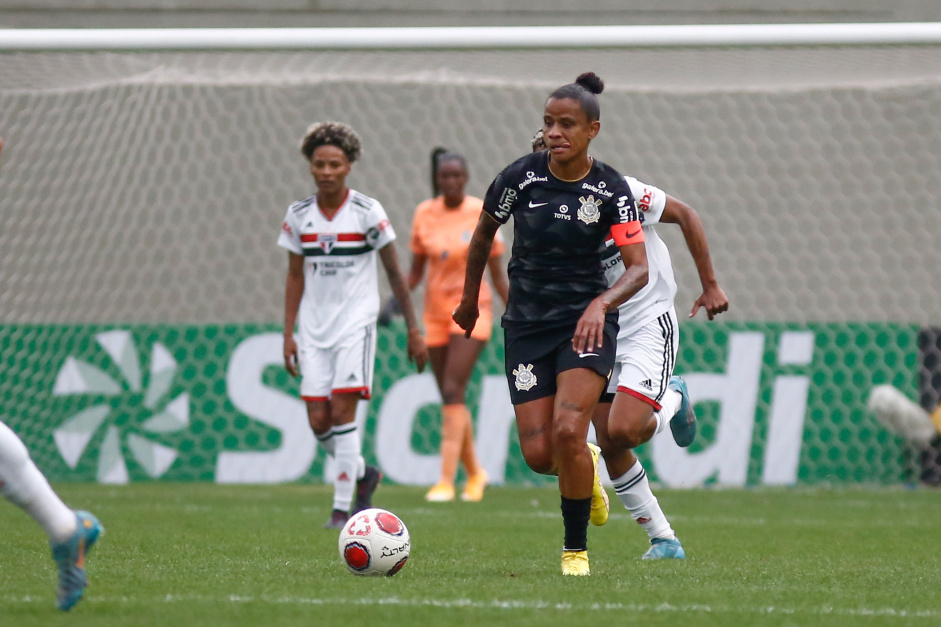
(539, 141)
(331, 134)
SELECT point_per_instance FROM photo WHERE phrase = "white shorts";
(645, 360)
(344, 369)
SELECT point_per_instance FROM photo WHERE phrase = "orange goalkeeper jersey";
(443, 235)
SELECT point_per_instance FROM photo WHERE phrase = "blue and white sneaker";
(683, 424)
(70, 558)
(665, 549)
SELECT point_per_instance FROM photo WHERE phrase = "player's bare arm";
(498, 278)
(590, 329)
(417, 271)
(417, 351)
(467, 312)
(293, 290)
(713, 298)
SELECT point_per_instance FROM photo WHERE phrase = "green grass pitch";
(198, 554)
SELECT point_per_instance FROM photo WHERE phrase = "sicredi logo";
(146, 396)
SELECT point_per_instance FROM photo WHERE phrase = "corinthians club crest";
(525, 379)
(588, 212)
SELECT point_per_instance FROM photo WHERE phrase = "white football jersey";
(656, 298)
(341, 290)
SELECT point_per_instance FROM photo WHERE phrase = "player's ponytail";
(590, 81)
(435, 154)
(585, 91)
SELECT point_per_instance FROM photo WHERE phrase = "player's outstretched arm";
(293, 291)
(417, 351)
(467, 312)
(713, 298)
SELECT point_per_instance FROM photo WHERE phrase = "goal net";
(141, 288)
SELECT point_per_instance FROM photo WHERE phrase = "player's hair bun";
(590, 81)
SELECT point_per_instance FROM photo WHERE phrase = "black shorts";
(536, 353)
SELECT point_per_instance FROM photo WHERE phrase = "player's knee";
(452, 393)
(319, 419)
(538, 458)
(630, 433)
(567, 438)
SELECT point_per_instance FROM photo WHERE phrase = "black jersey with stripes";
(559, 229)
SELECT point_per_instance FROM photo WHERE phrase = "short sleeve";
(501, 197)
(289, 237)
(378, 229)
(626, 228)
(649, 200)
(625, 207)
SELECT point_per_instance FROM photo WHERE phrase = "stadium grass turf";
(198, 554)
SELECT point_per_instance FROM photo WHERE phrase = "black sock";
(575, 514)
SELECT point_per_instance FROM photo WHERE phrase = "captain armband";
(630, 233)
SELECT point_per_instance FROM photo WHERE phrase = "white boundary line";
(501, 37)
(508, 604)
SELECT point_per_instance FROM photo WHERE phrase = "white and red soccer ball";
(374, 542)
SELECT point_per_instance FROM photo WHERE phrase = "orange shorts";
(438, 331)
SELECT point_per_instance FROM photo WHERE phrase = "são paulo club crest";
(588, 212)
(525, 379)
(326, 241)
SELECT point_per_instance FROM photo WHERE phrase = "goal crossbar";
(504, 37)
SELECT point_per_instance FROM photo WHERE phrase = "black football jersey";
(559, 230)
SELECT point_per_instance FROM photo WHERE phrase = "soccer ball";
(374, 542)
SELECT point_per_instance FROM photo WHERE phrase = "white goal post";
(505, 37)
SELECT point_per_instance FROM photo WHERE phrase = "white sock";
(634, 491)
(24, 486)
(669, 405)
(349, 464)
(327, 442)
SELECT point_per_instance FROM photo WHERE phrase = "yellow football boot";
(474, 490)
(600, 505)
(575, 563)
(441, 492)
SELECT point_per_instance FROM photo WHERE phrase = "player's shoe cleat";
(665, 549)
(366, 487)
(337, 519)
(474, 490)
(70, 558)
(575, 563)
(683, 424)
(441, 492)
(600, 505)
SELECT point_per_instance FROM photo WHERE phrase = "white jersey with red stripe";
(656, 298)
(341, 289)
